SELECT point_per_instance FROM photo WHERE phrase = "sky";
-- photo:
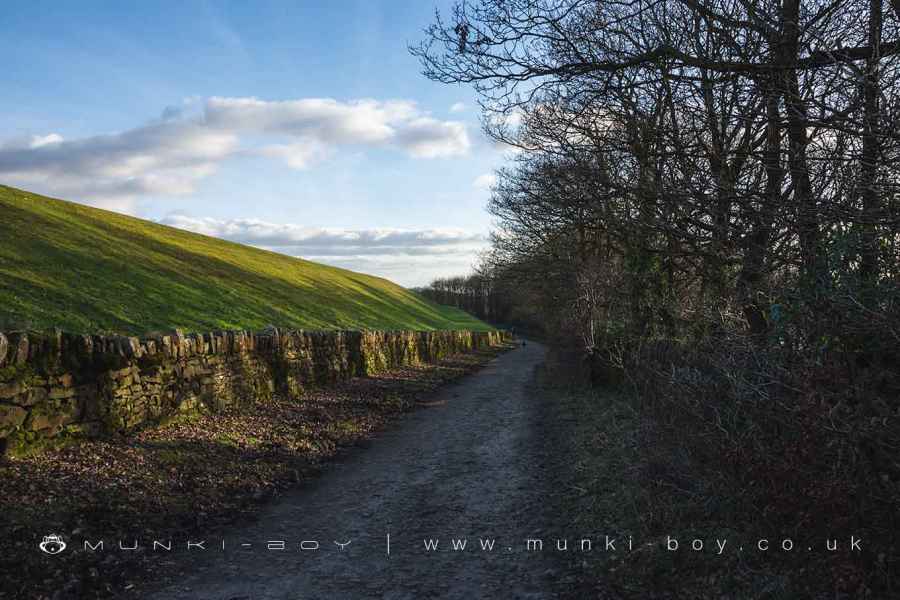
(303, 127)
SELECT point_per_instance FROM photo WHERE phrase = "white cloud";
(485, 181)
(457, 107)
(429, 138)
(43, 140)
(112, 170)
(328, 122)
(155, 147)
(298, 155)
(262, 233)
(406, 269)
(509, 120)
(170, 155)
(363, 121)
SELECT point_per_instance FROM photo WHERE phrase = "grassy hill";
(88, 270)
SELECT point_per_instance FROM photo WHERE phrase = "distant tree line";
(487, 295)
(472, 293)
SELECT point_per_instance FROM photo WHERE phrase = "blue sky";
(304, 127)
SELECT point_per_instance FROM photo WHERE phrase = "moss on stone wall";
(55, 385)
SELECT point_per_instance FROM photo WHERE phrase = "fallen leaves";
(188, 475)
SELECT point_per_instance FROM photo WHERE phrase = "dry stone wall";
(57, 384)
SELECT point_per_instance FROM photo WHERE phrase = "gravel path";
(472, 464)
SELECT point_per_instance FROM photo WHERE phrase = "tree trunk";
(811, 251)
(871, 150)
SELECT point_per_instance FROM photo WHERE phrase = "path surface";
(472, 464)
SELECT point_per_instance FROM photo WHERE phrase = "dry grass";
(706, 445)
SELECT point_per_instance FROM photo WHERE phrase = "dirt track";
(473, 464)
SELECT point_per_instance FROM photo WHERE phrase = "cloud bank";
(327, 122)
(327, 240)
(170, 155)
(409, 257)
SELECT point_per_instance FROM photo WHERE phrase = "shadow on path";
(472, 465)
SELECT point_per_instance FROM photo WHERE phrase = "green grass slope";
(88, 270)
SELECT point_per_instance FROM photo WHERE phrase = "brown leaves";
(192, 474)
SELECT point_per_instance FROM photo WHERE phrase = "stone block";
(33, 396)
(120, 373)
(11, 417)
(18, 348)
(10, 390)
(46, 422)
(59, 393)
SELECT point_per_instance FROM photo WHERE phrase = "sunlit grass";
(88, 270)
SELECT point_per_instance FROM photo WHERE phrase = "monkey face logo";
(52, 544)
